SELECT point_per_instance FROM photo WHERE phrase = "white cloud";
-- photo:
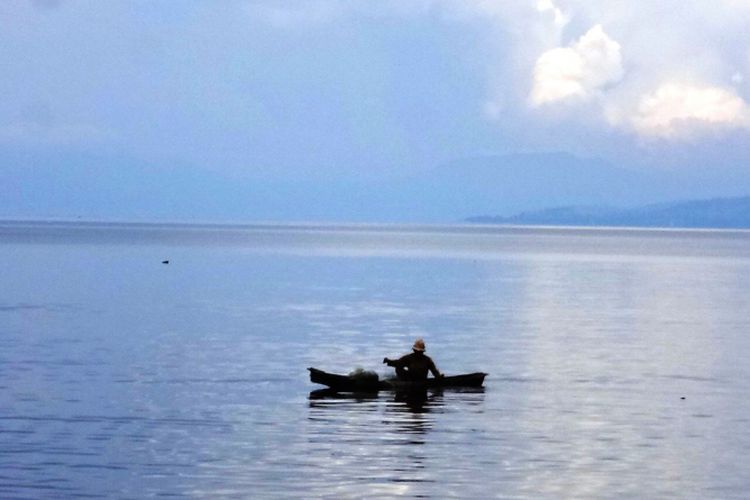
(577, 71)
(701, 49)
(545, 6)
(675, 110)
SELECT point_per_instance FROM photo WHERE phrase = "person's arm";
(396, 363)
(435, 372)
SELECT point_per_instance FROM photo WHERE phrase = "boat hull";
(344, 383)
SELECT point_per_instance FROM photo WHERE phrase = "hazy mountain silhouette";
(67, 184)
(725, 213)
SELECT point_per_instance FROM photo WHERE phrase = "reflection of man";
(414, 366)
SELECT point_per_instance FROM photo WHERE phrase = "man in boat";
(414, 367)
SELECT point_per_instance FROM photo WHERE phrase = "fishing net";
(364, 376)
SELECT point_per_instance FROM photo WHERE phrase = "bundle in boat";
(370, 382)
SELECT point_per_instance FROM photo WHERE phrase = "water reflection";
(418, 401)
(390, 438)
(614, 346)
(399, 405)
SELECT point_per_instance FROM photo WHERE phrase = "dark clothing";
(413, 366)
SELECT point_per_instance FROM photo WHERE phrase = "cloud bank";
(652, 73)
(577, 71)
(326, 84)
(675, 109)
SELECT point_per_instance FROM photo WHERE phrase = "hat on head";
(418, 345)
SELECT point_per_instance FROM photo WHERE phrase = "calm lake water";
(618, 361)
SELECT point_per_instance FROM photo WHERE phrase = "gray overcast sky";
(316, 90)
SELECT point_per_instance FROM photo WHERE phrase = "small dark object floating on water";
(345, 383)
(165, 262)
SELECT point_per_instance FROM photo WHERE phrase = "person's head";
(418, 346)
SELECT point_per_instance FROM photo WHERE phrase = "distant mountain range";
(59, 183)
(720, 213)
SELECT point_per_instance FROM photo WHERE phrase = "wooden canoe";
(344, 383)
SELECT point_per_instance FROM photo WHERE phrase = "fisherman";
(414, 366)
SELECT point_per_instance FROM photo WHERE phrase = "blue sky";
(312, 97)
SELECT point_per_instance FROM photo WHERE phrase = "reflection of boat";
(332, 394)
(345, 383)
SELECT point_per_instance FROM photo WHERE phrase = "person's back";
(414, 366)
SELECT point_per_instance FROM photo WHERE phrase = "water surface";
(617, 361)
